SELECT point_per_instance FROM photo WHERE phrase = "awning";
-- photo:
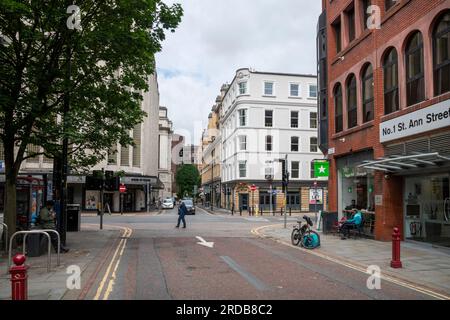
(398, 163)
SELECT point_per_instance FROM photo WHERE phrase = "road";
(154, 260)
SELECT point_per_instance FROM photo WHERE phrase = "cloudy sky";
(217, 37)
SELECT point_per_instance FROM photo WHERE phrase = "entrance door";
(264, 201)
(427, 209)
(243, 201)
(128, 201)
(293, 201)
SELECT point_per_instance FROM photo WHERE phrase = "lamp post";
(285, 181)
(212, 185)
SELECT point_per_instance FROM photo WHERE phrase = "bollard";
(232, 210)
(19, 278)
(290, 211)
(396, 263)
(240, 211)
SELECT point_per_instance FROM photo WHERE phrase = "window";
(268, 88)
(243, 117)
(268, 118)
(337, 35)
(415, 85)
(242, 169)
(112, 155)
(351, 102)
(294, 144)
(313, 146)
(313, 91)
(242, 87)
(351, 24)
(389, 4)
(242, 143)
(269, 145)
(33, 150)
(368, 99)
(295, 169)
(294, 90)
(441, 51)
(124, 156)
(390, 69)
(311, 170)
(365, 5)
(313, 120)
(339, 120)
(294, 119)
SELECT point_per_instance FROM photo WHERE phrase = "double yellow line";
(257, 232)
(106, 285)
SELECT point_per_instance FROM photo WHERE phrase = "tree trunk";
(11, 172)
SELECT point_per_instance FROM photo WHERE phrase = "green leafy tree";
(103, 68)
(187, 177)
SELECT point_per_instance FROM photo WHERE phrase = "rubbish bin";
(73, 217)
(328, 220)
(36, 244)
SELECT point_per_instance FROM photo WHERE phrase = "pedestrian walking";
(182, 211)
(47, 217)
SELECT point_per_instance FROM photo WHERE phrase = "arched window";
(390, 68)
(441, 49)
(338, 108)
(352, 102)
(415, 84)
(367, 93)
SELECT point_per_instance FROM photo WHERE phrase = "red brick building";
(385, 113)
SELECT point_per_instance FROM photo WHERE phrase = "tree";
(187, 177)
(103, 68)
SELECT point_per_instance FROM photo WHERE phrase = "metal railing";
(6, 235)
(29, 232)
(48, 231)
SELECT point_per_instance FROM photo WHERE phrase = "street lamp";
(285, 181)
(269, 178)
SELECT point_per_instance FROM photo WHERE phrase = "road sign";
(2, 165)
(321, 169)
(253, 188)
(123, 188)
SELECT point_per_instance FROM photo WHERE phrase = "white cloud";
(216, 37)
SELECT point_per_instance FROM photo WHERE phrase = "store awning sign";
(321, 169)
(420, 121)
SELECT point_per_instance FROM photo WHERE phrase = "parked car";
(168, 204)
(189, 205)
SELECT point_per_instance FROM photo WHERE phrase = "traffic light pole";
(286, 178)
(101, 199)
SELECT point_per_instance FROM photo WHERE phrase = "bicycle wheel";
(310, 240)
(295, 237)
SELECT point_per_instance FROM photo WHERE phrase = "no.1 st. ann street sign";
(423, 120)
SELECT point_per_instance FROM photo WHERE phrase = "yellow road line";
(120, 248)
(417, 288)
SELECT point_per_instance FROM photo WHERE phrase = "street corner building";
(384, 113)
(257, 120)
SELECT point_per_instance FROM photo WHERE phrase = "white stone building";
(265, 116)
(165, 153)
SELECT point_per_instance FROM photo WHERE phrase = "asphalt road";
(154, 260)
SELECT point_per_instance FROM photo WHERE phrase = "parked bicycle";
(304, 235)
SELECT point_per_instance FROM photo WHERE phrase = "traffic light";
(285, 175)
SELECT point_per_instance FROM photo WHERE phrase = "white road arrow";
(204, 243)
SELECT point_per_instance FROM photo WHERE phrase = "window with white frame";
(243, 117)
(313, 91)
(313, 120)
(294, 119)
(242, 169)
(294, 90)
(294, 144)
(313, 144)
(269, 143)
(268, 88)
(243, 87)
(268, 118)
(295, 169)
(242, 143)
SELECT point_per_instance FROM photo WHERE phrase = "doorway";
(243, 201)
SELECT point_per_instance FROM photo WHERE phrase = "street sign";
(123, 188)
(253, 188)
(321, 169)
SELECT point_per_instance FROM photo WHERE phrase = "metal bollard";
(232, 210)
(240, 211)
(290, 211)
(396, 263)
(19, 278)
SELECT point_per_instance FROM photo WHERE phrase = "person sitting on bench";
(350, 224)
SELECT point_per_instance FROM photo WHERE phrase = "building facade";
(165, 154)
(384, 100)
(265, 117)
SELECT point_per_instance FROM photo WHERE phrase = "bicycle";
(304, 235)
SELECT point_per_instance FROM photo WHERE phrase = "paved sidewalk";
(129, 214)
(85, 247)
(246, 214)
(422, 264)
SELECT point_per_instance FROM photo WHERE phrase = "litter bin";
(328, 220)
(73, 217)
(36, 244)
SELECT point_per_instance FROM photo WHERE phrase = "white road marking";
(205, 243)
